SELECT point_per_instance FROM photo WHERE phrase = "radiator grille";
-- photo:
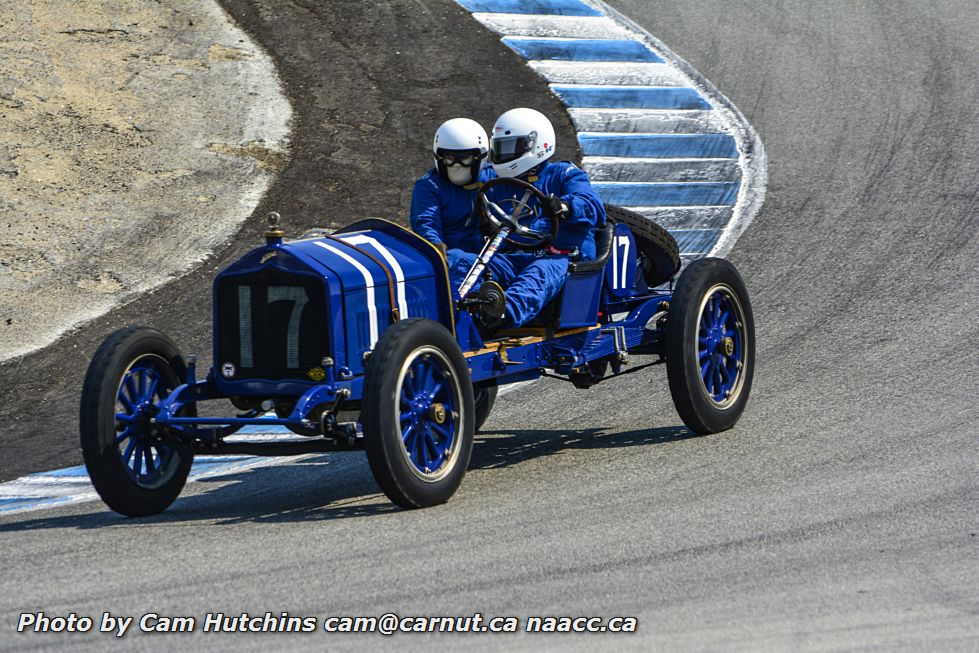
(270, 325)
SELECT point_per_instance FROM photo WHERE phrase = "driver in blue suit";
(443, 201)
(523, 141)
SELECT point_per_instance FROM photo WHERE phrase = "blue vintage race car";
(363, 323)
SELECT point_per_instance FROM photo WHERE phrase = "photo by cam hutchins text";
(387, 624)
(152, 622)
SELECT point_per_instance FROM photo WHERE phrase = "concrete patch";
(136, 138)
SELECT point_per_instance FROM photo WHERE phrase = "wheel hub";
(719, 346)
(726, 345)
(437, 413)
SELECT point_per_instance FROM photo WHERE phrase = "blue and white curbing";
(655, 137)
(71, 485)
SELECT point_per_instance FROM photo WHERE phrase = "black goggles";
(508, 148)
(457, 157)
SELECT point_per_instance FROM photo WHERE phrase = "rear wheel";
(483, 400)
(418, 430)
(134, 466)
(710, 346)
(591, 375)
(660, 253)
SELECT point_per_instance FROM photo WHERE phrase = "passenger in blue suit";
(443, 202)
(522, 142)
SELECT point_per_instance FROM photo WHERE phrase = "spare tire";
(660, 253)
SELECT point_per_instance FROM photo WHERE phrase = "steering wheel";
(530, 239)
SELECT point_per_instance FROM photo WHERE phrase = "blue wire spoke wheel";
(710, 346)
(721, 345)
(137, 467)
(427, 411)
(148, 462)
(418, 413)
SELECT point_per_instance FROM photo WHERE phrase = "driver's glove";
(555, 207)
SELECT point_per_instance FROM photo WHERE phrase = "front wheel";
(710, 346)
(418, 429)
(134, 466)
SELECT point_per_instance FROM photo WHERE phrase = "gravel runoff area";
(134, 140)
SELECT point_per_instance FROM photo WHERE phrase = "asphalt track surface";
(841, 512)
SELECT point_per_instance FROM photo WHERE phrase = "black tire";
(150, 357)
(710, 333)
(397, 447)
(660, 253)
(483, 399)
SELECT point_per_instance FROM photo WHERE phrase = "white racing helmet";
(460, 147)
(522, 140)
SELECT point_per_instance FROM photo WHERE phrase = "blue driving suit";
(532, 279)
(442, 212)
